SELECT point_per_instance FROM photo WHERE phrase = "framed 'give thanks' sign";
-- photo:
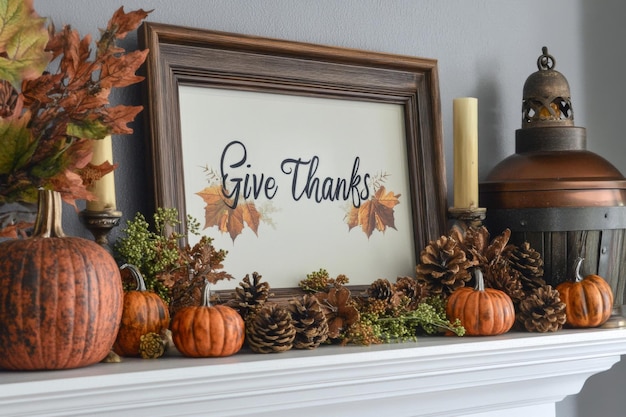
(296, 157)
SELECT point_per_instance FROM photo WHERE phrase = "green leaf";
(17, 144)
(88, 130)
(13, 13)
(49, 167)
(23, 38)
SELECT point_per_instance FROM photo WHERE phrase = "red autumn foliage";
(48, 121)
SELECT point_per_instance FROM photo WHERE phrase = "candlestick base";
(466, 217)
(100, 224)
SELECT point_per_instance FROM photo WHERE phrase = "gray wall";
(485, 48)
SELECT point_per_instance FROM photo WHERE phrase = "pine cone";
(250, 297)
(310, 322)
(529, 263)
(443, 267)
(501, 276)
(497, 245)
(270, 330)
(483, 251)
(413, 289)
(542, 311)
(474, 242)
(381, 289)
(151, 346)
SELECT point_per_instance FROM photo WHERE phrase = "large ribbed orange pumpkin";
(60, 297)
(207, 331)
(482, 311)
(588, 300)
(143, 312)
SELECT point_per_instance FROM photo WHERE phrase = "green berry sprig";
(154, 251)
(402, 325)
(320, 281)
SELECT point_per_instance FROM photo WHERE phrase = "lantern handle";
(545, 61)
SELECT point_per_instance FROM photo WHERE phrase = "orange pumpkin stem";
(49, 215)
(206, 294)
(141, 284)
(480, 281)
(579, 264)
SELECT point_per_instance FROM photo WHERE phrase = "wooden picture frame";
(181, 58)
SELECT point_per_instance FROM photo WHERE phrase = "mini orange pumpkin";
(208, 331)
(143, 312)
(588, 301)
(482, 311)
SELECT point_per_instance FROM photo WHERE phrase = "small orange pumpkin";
(143, 312)
(207, 331)
(482, 311)
(588, 301)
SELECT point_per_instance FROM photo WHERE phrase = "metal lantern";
(565, 201)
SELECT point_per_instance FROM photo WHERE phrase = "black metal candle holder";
(466, 217)
(100, 223)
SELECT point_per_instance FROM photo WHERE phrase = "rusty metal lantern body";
(553, 193)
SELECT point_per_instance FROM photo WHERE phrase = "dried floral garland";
(328, 312)
(387, 312)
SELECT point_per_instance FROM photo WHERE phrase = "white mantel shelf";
(514, 375)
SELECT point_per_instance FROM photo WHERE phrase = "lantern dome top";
(551, 166)
(546, 96)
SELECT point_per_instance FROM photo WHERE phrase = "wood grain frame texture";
(197, 57)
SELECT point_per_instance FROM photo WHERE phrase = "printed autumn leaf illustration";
(376, 213)
(218, 212)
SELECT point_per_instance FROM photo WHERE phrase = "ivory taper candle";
(104, 188)
(465, 110)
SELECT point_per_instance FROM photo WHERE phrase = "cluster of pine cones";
(271, 327)
(445, 266)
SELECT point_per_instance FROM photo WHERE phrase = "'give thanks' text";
(239, 182)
